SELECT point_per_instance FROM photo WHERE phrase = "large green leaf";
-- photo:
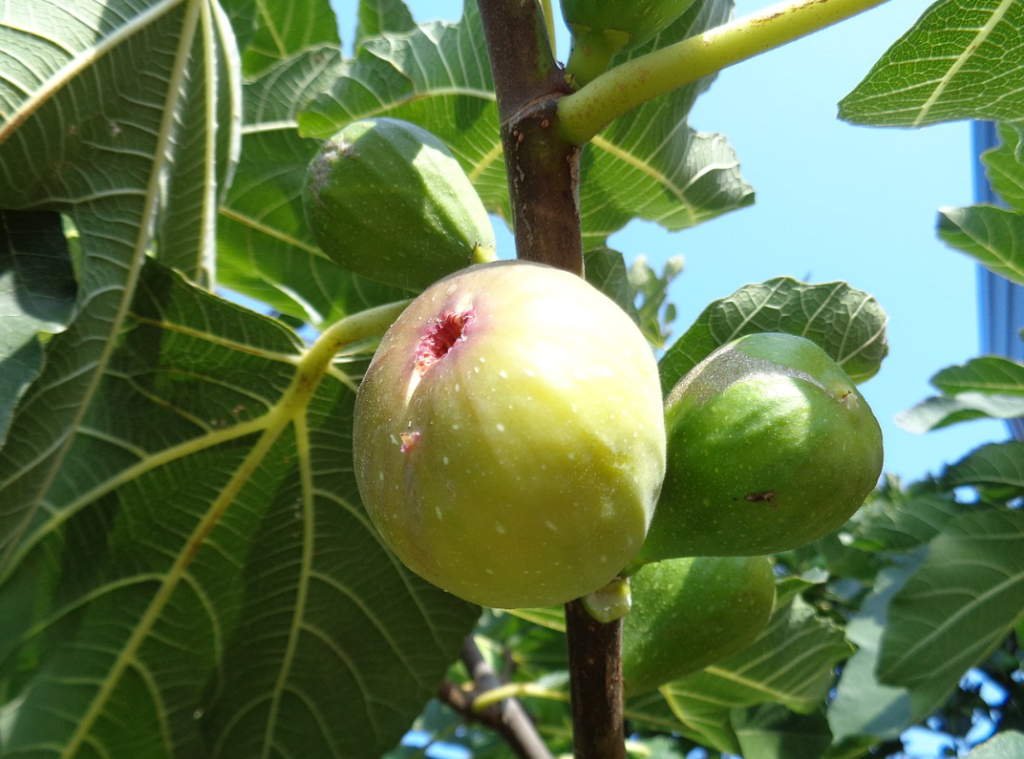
(132, 107)
(789, 664)
(848, 324)
(864, 706)
(37, 294)
(994, 236)
(961, 603)
(203, 580)
(648, 164)
(963, 59)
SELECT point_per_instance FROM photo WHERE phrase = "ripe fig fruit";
(602, 28)
(509, 436)
(689, 613)
(770, 447)
(387, 200)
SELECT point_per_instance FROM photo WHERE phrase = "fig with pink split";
(509, 436)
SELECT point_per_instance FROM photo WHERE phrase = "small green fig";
(387, 200)
(509, 436)
(770, 447)
(602, 28)
(689, 613)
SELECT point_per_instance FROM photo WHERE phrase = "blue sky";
(834, 202)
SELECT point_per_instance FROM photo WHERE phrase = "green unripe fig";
(509, 436)
(387, 200)
(602, 28)
(689, 613)
(770, 447)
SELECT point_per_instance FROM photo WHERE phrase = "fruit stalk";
(624, 87)
(542, 167)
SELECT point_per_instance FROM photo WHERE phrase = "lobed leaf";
(963, 59)
(205, 579)
(848, 324)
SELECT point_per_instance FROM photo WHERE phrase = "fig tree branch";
(507, 717)
(621, 89)
(542, 168)
(595, 672)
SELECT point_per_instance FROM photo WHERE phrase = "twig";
(508, 717)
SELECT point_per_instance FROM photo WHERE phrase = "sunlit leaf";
(847, 323)
(963, 59)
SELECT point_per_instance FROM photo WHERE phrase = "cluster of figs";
(512, 442)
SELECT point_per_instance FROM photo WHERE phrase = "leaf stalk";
(616, 92)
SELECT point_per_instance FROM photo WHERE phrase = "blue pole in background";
(1000, 302)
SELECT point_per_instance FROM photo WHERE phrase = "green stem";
(360, 326)
(618, 91)
(516, 690)
(549, 21)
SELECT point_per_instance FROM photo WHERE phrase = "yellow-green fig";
(509, 436)
(689, 613)
(387, 200)
(770, 446)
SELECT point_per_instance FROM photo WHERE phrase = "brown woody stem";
(542, 167)
(595, 667)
